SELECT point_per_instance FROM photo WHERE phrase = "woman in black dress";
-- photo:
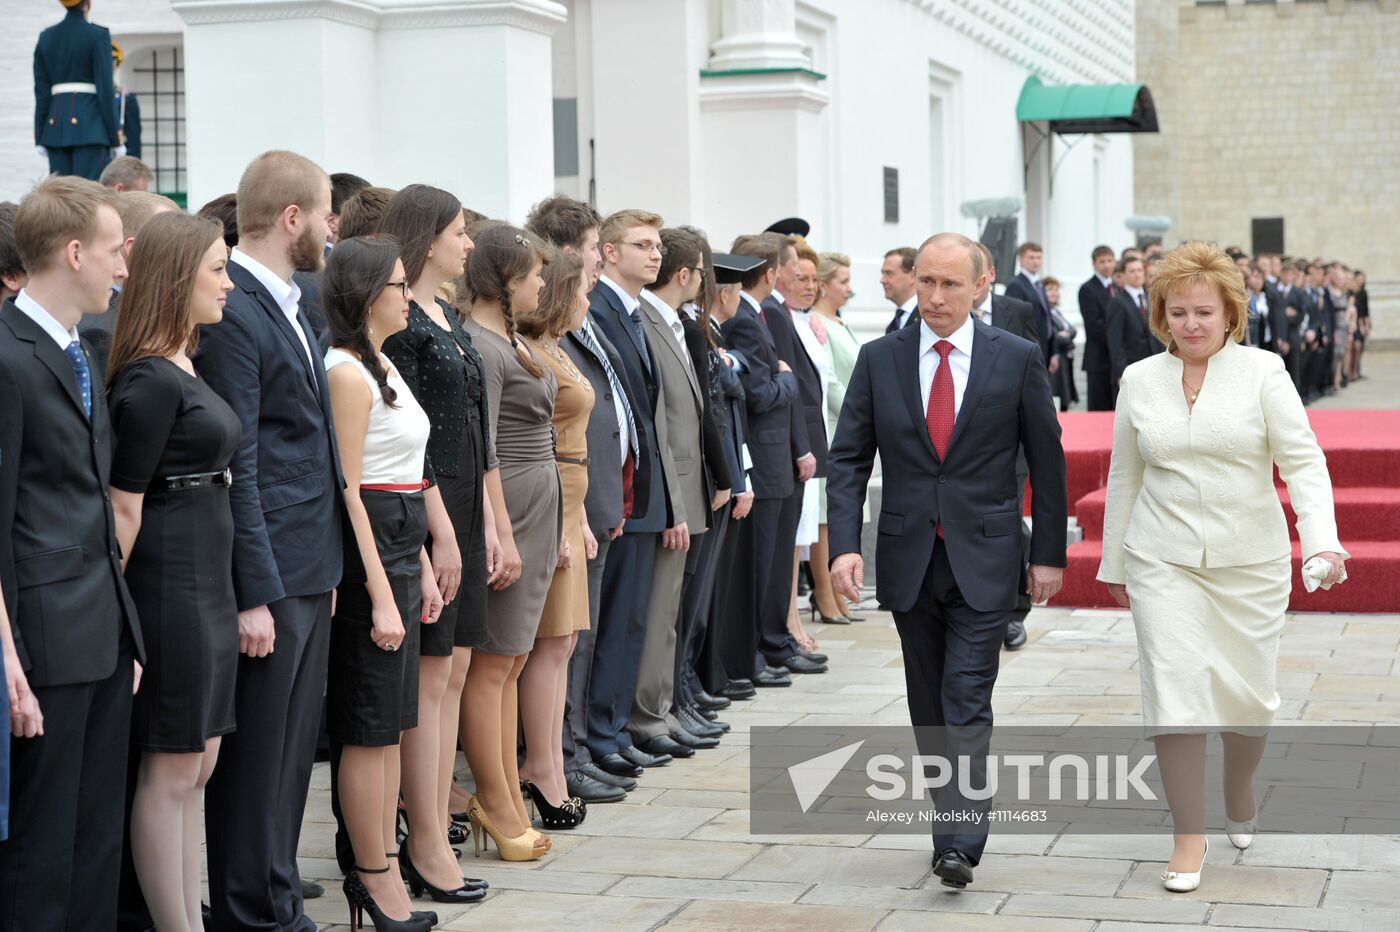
(174, 440)
(437, 361)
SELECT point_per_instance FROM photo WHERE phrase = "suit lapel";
(663, 335)
(985, 346)
(48, 353)
(250, 284)
(906, 364)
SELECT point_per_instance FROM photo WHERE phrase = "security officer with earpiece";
(75, 122)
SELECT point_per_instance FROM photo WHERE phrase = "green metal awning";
(1088, 108)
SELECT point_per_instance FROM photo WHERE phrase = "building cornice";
(763, 89)
(542, 16)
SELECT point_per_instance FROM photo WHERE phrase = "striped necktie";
(586, 335)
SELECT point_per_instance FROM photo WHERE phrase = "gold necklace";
(563, 359)
(1195, 392)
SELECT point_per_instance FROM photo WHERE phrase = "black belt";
(569, 459)
(199, 480)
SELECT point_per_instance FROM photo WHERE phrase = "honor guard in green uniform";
(75, 122)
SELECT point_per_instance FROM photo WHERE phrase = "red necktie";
(939, 416)
(1142, 308)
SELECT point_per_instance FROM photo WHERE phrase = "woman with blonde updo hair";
(1195, 541)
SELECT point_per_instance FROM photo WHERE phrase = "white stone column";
(448, 92)
(764, 155)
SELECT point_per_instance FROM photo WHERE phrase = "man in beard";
(264, 360)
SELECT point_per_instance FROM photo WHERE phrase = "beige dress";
(566, 606)
(522, 445)
(1194, 529)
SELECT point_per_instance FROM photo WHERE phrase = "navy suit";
(809, 416)
(1022, 288)
(951, 595)
(78, 129)
(626, 585)
(1093, 307)
(130, 121)
(75, 631)
(1129, 337)
(757, 634)
(287, 507)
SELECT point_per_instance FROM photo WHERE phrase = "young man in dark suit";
(75, 631)
(287, 500)
(1094, 296)
(948, 405)
(897, 281)
(75, 121)
(770, 391)
(1027, 287)
(615, 455)
(1129, 337)
(808, 443)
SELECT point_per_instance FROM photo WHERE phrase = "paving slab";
(1222, 882)
(706, 916)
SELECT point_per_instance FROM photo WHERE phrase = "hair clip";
(521, 240)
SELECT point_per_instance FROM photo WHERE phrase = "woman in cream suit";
(1195, 541)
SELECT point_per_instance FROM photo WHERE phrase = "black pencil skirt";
(372, 693)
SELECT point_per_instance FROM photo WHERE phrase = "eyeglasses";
(699, 270)
(658, 248)
(402, 286)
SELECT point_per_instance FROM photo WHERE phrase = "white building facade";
(876, 120)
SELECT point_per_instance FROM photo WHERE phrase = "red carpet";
(1363, 456)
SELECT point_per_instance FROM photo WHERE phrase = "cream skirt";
(1207, 643)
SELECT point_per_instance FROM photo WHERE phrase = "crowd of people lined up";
(464, 483)
(1315, 313)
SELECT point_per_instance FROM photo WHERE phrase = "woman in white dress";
(1195, 540)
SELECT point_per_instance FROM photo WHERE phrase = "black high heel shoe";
(471, 891)
(564, 816)
(818, 616)
(358, 898)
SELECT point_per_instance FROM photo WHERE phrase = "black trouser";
(775, 643)
(82, 161)
(951, 658)
(617, 645)
(575, 735)
(737, 604)
(61, 865)
(256, 799)
(696, 599)
(1100, 389)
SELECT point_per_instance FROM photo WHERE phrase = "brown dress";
(566, 606)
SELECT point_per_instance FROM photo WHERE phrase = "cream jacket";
(1196, 487)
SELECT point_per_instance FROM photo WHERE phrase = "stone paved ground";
(678, 853)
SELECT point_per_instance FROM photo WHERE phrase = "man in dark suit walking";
(75, 120)
(947, 406)
(263, 359)
(1129, 337)
(1027, 287)
(74, 628)
(1094, 296)
(897, 281)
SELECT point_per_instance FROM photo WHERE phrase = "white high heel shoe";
(1183, 882)
(1241, 834)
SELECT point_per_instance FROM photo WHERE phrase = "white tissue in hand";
(1316, 570)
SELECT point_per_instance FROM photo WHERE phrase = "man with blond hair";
(263, 359)
(73, 626)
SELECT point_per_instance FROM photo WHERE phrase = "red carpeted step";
(1363, 513)
(1373, 586)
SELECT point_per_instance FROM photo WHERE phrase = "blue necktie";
(634, 319)
(74, 351)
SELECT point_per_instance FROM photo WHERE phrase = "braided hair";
(504, 255)
(356, 273)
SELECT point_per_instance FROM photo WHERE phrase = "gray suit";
(681, 411)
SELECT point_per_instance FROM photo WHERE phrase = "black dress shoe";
(1015, 635)
(954, 867)
(311, 890)
(641, 758)
(767, 679)
(814, 656)
(706, 702)
(591, 769)
(739, 691)
(590, 790)
(799, 664)
(696, 725)
(617, 765)
(697, 742)
(665, 744)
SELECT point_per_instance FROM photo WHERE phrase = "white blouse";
(396, 442)
(1195, 487)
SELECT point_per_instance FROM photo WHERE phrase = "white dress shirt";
(1138, 295)
(669, 315)
(984, 310)
(629, 303)
(1105, 280)
(910, 306)
(960, 359)
(286, 294)
(35, 312)
(752, 302)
